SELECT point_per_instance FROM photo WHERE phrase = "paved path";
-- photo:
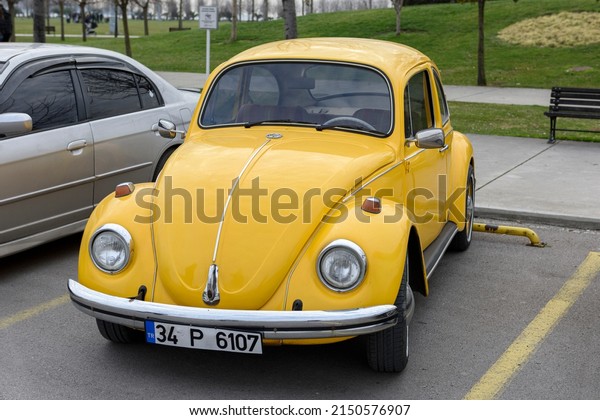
(519, 179)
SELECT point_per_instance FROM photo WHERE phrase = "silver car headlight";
(341, 265)
(110, 248)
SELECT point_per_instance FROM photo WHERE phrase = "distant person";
(5, 25)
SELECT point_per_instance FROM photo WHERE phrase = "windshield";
(324, 95)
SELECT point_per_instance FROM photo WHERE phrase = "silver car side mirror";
(167, 129)
(13, 123)
(430, 138)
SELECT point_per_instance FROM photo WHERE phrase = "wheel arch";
(417, 277)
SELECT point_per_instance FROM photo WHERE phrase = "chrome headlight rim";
(123, 235)
(356, 251)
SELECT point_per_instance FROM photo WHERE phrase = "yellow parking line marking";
(519, 352)
(31, 312)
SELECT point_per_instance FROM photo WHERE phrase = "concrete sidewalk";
(518, 179)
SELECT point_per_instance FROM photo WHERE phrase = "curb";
(560, 220)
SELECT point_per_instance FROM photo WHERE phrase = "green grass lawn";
(517, 121)
(445, 32)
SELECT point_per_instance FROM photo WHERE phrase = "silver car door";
(123, 106)
(46, 175)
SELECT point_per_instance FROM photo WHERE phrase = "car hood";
(248, 204)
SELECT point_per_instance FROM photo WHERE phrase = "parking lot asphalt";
(519, 179)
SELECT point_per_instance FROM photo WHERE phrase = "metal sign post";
(208, 20)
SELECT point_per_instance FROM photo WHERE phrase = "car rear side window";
(148, 94)
(110, 92)
(48, 98)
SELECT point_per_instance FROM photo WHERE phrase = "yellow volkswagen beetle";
(319, 186)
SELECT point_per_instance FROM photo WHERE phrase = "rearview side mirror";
(430, 138)
(167, 129)
(15, 123)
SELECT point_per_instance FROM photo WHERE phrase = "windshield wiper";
(249, 124)
(358, 127)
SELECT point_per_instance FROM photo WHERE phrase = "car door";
(426, 168)
(46, 175)
(122, 106)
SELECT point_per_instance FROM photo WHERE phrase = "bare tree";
(144, 4)
(39, 25)
(266, 10)
(82, 4)
(61, 8)
(11, 11)
(481, 81)
(234, 19)
(289, 19)
(123, 4)
(398, 8)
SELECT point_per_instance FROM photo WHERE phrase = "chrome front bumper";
(277, 325)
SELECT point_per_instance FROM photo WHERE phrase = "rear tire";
(462, 239)
(387, 350)
(118, 333)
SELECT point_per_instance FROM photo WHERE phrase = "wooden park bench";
(572, 103)
(51, 29)
(178, 29)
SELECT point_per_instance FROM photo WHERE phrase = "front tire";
(119, 333)
(387, 350)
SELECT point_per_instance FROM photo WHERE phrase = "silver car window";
(49, 99)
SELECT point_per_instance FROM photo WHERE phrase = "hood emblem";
(211, 294)
(274, 136)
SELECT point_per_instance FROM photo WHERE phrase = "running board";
(434, 252)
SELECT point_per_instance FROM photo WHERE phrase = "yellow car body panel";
(293, 153)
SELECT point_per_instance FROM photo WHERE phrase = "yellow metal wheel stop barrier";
(510, 230)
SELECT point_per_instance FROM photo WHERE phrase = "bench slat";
(575, 90)
(568, 103)
(572, 115)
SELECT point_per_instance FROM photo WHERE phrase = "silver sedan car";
(74, 123)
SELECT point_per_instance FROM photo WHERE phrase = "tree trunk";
(39, 24)
(145, 10)
(480, 50)
(234, 18)
(61, 6)
(82, 20)
(180, 26)
(11, 10)
(289, 18)
(123, 4)
(398, 8)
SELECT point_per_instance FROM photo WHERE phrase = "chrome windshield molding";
(276, 325)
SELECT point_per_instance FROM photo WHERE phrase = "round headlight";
(342, 265)
(110, 248)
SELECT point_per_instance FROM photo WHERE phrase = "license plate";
(202, 338)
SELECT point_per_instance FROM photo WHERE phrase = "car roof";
(23, 51)
(385, 55)
(13, 55)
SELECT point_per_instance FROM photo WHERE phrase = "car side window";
(148, 93)
(110, 92)
(418, 112)
(445, 111)
(48, 98)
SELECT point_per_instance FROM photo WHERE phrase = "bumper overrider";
(277, 325)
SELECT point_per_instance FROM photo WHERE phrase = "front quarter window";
(48, 98)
